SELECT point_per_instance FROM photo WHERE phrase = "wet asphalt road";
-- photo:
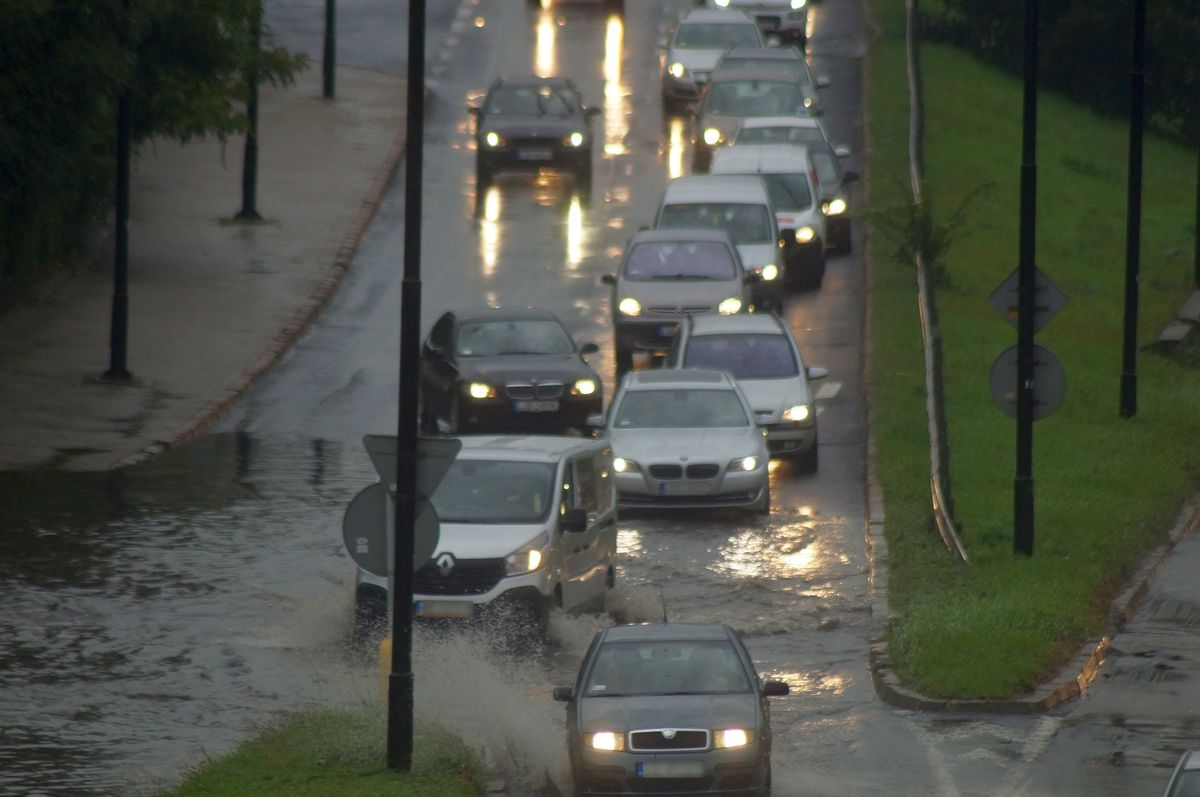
(155, 614)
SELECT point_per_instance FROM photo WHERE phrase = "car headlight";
(835, 207)
(732, 737)
(712, 136)
(583, 387)
(799, 412)
(722, 3)
(677, 69)
(528, 559)
(493, 139)
(744, 464)
(798, 4)
(805, 234)
(769, 272)
(622, 465)
(729, 306)
(629, 306)
(574, 140)
(481, 390)
(606, 740)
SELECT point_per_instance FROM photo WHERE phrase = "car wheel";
(809, 460)
(624, 361)
(763, 505)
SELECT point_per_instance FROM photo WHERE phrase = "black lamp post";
(249, 211)
(119, 327)
(1133, 216)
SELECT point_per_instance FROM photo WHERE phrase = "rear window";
(680, 261)
(745, 223)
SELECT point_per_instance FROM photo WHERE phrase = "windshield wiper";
(682, 277)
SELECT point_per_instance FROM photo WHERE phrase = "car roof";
(765, 53)
(487, 313)
(525, 448)
(1190, 760)
(737, 324)
(716, 187)
(760, 159)
(667, 631)
(680, 235)
(729, 16)
(681, 378)
(532, 80)
(757, 75)
(781, 121)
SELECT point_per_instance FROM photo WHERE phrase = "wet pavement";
(157, 614)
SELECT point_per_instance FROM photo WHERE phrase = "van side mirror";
(575, 521)
(588, 348)
(591, 113)
(817, 372)
(842, 152)
(564, 694)
(770, 689)
(823, 81)
(595, 421)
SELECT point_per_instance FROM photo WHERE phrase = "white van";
(528, 523)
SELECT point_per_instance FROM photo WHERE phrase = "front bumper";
(649, 334)
(532, 155)
(501, 414)
(727, 488)
(784, 439)
(723, 772)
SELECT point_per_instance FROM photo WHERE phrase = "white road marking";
(828, 391)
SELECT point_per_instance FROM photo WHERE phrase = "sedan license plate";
(670, 769)
(534, 154)
(459, 610)
(535, 406)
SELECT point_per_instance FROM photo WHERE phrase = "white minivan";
(528, 523)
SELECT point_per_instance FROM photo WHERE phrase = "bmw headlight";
(732, 737)
(729, 306)
(798, 412)
(574, 140)
(712, 136)
(622, 465)
(583, 387)
(805, 234)
(606, 740)
(493, 139)
(481, 390)
(744, 464)
(835, 207)
(629, 306)
(528, 559)
(798, 4)
(677, 69)
(769, 272)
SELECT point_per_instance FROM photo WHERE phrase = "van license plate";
(670, 769)
(535, 406)
(460, 610)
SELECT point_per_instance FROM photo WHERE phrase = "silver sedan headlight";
(629, 306)
(798, 412)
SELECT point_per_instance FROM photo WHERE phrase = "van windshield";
(745, 223)
(495, 491)
(788, 191)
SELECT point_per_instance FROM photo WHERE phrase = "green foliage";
(915, 229)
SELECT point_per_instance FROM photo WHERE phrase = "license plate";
(535, 406)
(534, 154)
(460, 610)
(670, 769)
(667, 330)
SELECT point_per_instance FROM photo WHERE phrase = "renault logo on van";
(445, 563)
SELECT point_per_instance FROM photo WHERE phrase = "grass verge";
(336, 754)
(1107, 489)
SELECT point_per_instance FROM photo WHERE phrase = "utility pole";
(249, 211)
(329, 55)
(400, 680)
(119, 328)
(1133, 212)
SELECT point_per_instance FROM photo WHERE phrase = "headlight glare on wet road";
(606, 740)
(769, 272)
(493, 139)
(729, 306)
(744, 464)
(622, 465)
(677, 69)
(731, 737)
(583, 387)
(481, 390)
(712, 136)
(799, 412)
(629, 306)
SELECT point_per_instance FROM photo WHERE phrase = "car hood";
(526, 368)
(704, 445)
(757, 255)
(711, 712)
(534, 126)
(773, 395)
(680, 293)
(484, 540)
(695, 60)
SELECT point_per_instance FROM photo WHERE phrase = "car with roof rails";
(686, 439)
(731, 97)
(669, 708)
(528, 524)
(666, 274)
(786, 59)
(791, 182)
(531, 123)
(739, 205)
(694, 47)
(761, 353)
(1185, 778)
(787, 19)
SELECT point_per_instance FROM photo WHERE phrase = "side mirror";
(588, 348)
(769, 689)
(842, 152)
(787, 237)
(823, 82)
(816, 372)
(564, 694)
(595, 421)
(591, 113)
(850, 177)
(609, 279)
(474, 111)
(575, 521)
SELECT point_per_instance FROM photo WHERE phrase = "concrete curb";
(199, 423)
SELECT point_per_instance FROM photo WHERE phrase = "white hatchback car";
(686, 439)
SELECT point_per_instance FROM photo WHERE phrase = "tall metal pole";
(249, 211)
(1133, 213)
(1196, 241)
(329, 56)
(119, 327)
(400, 681)
(1023, 515)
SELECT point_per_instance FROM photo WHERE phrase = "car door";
(583, 558)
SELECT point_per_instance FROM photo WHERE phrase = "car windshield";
(664, 668)
(680, 409)
(1188, 784)
(706, 36)
(531, 101)
(745, 223)
(788, 191)
(680, 261)
(826, 164)
(794, 67)
(512, 336)
(495, 491)
(754, 98)
(788, 134)
(744, 356)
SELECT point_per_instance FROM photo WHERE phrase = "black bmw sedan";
(506, 370)
(531, 123)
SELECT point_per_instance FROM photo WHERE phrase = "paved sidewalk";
(212, 304)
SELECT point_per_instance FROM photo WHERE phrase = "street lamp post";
(249, 211)
(119, 326)
(1133, 216)
(329, 55)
